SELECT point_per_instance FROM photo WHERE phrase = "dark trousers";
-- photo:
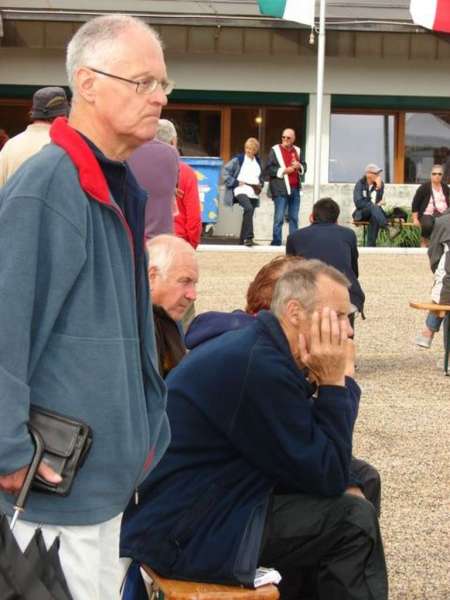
(368, 480)
(248, 204)
(377, 218)
(338, 539)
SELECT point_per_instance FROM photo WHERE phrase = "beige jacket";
(19, 148)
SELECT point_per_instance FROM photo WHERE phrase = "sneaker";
(423, 341)
(249, 243)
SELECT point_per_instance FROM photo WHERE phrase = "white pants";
(89, 556)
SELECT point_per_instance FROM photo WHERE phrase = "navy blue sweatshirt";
(242, 423)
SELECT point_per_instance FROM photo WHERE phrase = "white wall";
(253, 73)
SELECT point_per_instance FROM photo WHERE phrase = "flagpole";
(319, 101)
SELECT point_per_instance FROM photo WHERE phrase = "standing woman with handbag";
(430, 201)
(243, 182)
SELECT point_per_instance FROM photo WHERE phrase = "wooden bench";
(394, 222)
(441, 310)
(171, 589)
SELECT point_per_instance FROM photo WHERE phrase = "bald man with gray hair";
(173, 276)
(166, 132)
(75, 310)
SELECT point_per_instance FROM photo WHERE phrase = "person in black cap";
(368, 198)
(48, 103)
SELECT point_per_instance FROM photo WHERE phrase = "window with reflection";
(198, 130)
(265, 124)
(245, 123)
(427, 142)
(359, 139)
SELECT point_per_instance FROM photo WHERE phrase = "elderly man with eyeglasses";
(75, 308)
(284, 169)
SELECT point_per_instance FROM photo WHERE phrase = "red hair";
(4, 137)
(260, 291)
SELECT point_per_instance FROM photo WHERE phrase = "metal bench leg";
(365, 235)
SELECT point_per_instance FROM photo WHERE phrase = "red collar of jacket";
(92, 180)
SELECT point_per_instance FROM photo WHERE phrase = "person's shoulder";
(298, 236)
(50, 177)
(186, 169)
(345, 231)
(155, 148)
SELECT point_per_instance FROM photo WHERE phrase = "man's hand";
(13, 482)
(289, 170)
(327, 355)
(296, 165)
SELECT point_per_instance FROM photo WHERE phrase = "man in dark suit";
(331, 243)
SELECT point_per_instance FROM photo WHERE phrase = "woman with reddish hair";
(210, 324)
(259, 293)
(4, 137)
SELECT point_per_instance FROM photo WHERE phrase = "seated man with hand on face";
(258, 465)
(173, 276)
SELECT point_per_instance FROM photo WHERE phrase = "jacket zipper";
(117, 211)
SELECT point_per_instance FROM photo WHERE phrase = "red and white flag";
(432, 14)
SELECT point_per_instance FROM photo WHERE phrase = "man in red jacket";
(187, 222)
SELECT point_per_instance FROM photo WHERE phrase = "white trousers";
(89, 556)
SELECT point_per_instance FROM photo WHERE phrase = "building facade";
(387, 94)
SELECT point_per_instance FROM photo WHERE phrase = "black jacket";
(278, 183)
(334, 245)
(422, 197)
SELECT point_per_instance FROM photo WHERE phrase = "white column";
(310, 134)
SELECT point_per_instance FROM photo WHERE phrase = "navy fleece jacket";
(242, 423)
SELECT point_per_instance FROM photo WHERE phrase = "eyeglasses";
(286, 137)
(147, 86)
(440, 174)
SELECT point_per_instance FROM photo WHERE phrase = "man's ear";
(311, 218)
(84, 83)
(294, 312)
(152, 274)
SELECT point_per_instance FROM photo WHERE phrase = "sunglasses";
(440, 174)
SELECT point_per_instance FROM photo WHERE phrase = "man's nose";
(350, 329)
(191, 292)
(158, 96)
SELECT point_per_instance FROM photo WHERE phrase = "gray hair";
(163, 248)
(95, 43)
(301, 284)
(166, 131)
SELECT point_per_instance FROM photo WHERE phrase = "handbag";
(427, 221)
(66, 443)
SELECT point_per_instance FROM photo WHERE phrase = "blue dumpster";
(208, 172)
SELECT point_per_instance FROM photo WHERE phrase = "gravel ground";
(404, 416)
